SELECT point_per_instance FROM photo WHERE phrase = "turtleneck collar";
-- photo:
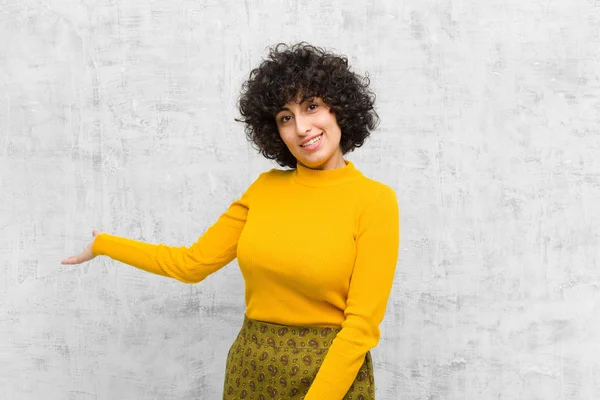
(321, 178)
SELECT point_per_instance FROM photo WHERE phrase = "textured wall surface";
(118, 115)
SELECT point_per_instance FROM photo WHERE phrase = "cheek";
(328, 119)
(286, 135)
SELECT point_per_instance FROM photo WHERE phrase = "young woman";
(317, 245)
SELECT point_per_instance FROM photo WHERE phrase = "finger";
(70, 260)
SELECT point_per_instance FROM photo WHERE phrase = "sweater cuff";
(100, 244)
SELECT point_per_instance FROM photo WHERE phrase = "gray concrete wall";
(118, 115)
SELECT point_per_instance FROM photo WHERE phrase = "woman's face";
(299, 123)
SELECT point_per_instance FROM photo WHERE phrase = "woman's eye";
(313, 106)
(284, 119)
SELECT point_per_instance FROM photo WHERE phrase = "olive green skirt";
(271, 361)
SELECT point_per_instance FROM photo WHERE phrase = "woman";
(317, 245)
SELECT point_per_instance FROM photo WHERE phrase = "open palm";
(85, 255)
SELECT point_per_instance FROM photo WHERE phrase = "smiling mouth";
(313, 141)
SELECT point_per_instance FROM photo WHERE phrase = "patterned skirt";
(271, 361)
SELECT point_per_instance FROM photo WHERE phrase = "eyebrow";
(304, 100)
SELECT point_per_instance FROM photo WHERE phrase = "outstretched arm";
(214, 249)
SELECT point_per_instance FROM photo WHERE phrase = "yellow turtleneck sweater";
(315, 247)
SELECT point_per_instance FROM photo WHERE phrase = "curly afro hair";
(314, 72)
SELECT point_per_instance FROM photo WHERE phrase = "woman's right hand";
(85, 255)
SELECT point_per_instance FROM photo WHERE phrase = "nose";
(303, 126)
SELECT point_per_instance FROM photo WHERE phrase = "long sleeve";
(215, 248)
(377, 245)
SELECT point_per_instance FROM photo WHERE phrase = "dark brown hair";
(314, 72)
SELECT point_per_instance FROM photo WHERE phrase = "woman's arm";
(214, 249)
(377, 246)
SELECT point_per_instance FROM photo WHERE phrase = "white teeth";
(315, 140)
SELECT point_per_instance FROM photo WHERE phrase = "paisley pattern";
(271, 361)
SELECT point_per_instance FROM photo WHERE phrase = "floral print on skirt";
(271, 361)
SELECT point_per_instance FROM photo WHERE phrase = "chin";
(314, 163)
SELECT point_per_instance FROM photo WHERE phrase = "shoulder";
(379, 209)
(274, 175)
(376, 197)
(378, 193)
(375, 191)
(268, 178)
